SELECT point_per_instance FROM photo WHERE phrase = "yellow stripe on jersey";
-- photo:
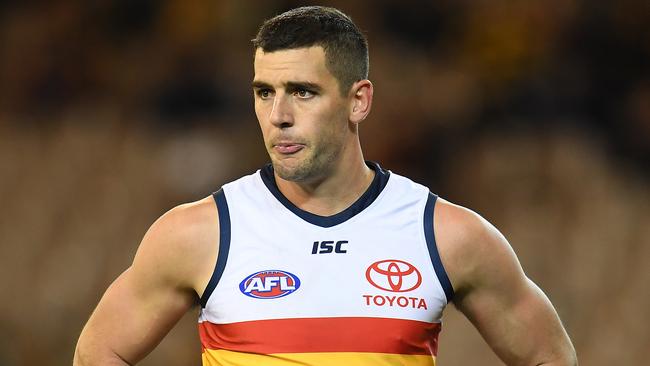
(230, 358)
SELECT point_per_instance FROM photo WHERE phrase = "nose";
(281, 114)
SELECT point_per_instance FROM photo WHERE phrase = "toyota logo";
(393, 275)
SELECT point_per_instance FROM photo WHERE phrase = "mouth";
(288, 148)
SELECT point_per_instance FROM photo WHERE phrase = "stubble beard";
(311, 168)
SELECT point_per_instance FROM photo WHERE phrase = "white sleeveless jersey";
(363, 287)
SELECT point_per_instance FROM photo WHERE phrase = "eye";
(263, 93)
(303, 93)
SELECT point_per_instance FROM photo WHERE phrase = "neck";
(332, 194)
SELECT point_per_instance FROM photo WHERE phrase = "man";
(321, 258)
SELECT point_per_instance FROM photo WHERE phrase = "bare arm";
(147, 300)
(512, 314)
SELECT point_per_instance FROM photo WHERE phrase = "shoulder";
(186, 221)
(181, 246)
(471, 248)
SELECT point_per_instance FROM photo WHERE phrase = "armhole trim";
(224, 245)
(430, 237)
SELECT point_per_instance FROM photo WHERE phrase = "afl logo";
(394, 275)
(270, 284)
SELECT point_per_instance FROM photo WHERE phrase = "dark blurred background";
(535, 113)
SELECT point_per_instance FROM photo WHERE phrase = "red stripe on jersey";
(380, 335)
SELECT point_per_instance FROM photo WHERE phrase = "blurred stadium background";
(535, 113)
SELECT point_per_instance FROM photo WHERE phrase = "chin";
(294, 170)
(289, 173)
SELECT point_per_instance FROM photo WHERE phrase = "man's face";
(303, 116)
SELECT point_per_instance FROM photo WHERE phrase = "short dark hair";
(346, 48)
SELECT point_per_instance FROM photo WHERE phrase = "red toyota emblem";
(394, 275)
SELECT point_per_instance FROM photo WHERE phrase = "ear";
(360, 100)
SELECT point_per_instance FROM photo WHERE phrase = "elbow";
(568, 358)
(87, 356)
(79, 358)
(572, 359)
(84, 354)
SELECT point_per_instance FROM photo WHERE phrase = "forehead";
(300, 64)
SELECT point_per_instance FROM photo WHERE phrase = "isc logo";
(269, 284)
(328, 246)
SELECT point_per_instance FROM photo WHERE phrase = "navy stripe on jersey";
(378, 183)
(224, 245)
(433, 248)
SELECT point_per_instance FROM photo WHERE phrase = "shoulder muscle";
(473, 251)
(180, 246)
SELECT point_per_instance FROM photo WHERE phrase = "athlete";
(321, 258)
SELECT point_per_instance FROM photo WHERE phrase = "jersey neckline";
(367, 198)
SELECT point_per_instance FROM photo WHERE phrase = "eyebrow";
(290, 85)
(261, 85)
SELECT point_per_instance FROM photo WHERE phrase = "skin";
(169, 272)
(310, 131)
(512, 314)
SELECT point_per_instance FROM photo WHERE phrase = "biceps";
(130, 320)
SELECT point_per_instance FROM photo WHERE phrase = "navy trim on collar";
(367, 198)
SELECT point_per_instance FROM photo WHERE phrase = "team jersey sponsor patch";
(396, 276)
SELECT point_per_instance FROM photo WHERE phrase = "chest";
(376, 265)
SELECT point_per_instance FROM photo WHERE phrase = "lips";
(288, 148)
